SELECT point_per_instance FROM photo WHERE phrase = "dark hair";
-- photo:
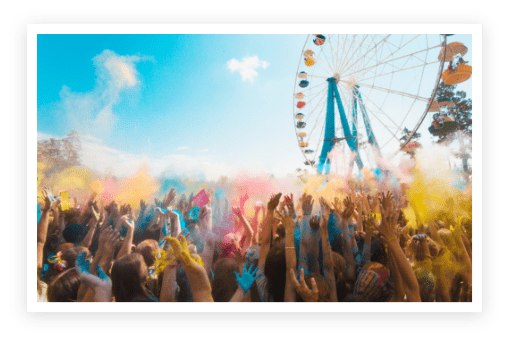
(359, 236)
(275, 271)
(128, 279)
(69, 255)
(184, 294)
(354, 298)
(342, 286)
(64, 288)
(339, 263)
(378, 251)
(224, 284)
(74, 233)
(147, 249)
(280, 231)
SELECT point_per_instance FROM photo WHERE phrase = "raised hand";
(337, 206)
(158, 203)
(315, 223)
(237, 211)
(170, 197)
(289, 200)
(307, 204)
(308, 295)
(101, 284)
(246, 280)
(181, 251)
(285, 216)
(205, 214)
(47, 198)
(273, 202)
(386, 200)
(325, 207)
(348, 208)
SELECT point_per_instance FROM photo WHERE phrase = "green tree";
(461, 109)
(60, 154)
(461, 113)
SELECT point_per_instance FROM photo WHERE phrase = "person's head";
(322, 286)
(229, 245)
(275, 271)
(343, 288)
(280, 231)
(64, 288)
(339, 263)
(360, 236)
(380, 269)
(427, 284)
(402, 220)
(224, 284)
(369, 284)
(74, 233)
(447, 238)
(128, 276)
(148, 249)
(378, 251)
(69, 255)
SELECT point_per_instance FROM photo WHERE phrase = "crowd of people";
(354, 247)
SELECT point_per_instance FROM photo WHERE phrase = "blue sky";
(172, 101)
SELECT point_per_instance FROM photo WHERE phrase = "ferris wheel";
(356, 96)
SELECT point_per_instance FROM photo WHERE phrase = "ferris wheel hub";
(336, 76)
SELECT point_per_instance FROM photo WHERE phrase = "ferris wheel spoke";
(376, 47)
(400, 70)
(318, 121)
(354, 53)
(310, 114)
(316, 94)
(384, 113)
(320, 65)
(308, 89)
(318, 143)
(396, 58)
(348, 51)
(332, 69)
(335, 56)
(319, 77)
(389, 90)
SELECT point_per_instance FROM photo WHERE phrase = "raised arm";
(169, 284)
(42, 228)
(128, 222)
(389, 217)
(285, 214)
(329, 267)
(245, 281)
(342, 216)
(91, 225)
(248, 231)
(205, 223)
(267, 227)
(100, 284)
(195, 272)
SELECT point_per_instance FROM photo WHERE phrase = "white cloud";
(183, 148)
(92, 111)
(247, 67)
